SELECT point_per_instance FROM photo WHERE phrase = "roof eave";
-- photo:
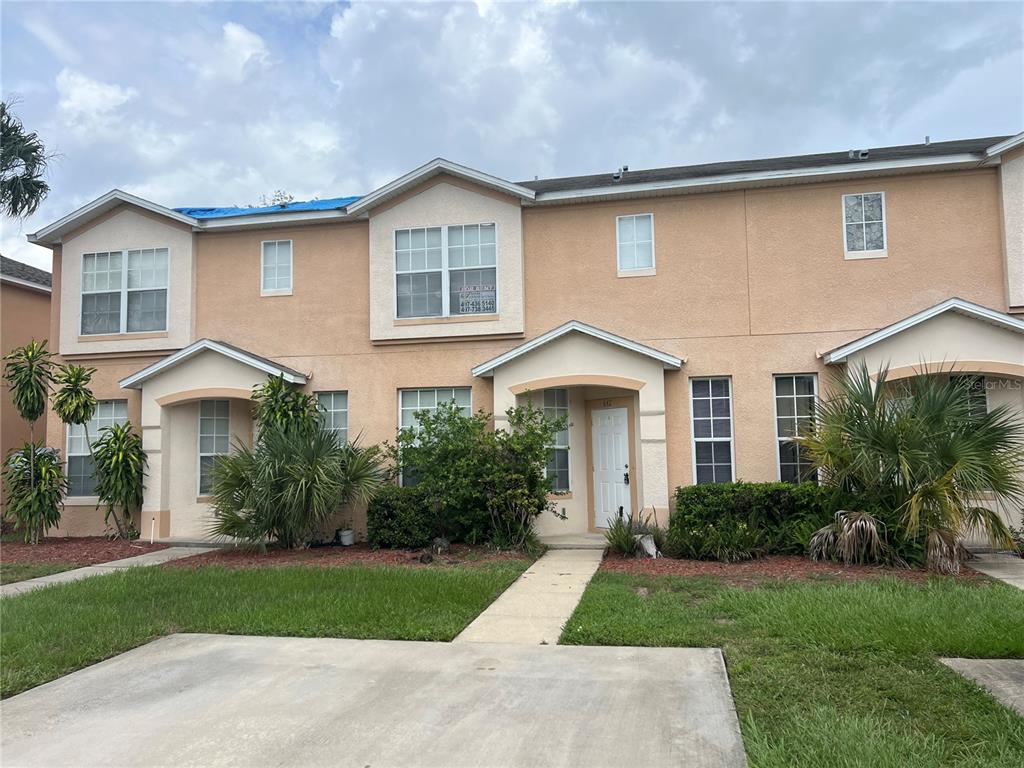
(11, 280)
(1006, 145)
(52, 234)
(137, 379)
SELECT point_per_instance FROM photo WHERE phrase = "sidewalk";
(149, 558)
(1007, 568)
(535, 608)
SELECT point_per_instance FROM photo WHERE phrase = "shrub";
(739, 521)
(399, 518)
(36, 485)
(622, 533)
(120, 468)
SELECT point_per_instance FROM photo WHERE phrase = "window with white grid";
(556, 406)
(81, 481)
(795, 398)
(334, 406)
(864, 223)
(214, 439)
(711, 408)
(276, 267)
(124, 291)
(635, 241)
(410, 401)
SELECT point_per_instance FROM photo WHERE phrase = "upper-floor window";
(124, 291)
(635, 242)
(711, 406)
(795, 397)
(446, 271)
(276, 268)
(556, 406)
(334, 406)
(81, 478)
(864, 225)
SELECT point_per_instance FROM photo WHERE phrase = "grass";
(834, 675)
(55, 630)
(12, 572)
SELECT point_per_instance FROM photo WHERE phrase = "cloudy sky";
(222, 102)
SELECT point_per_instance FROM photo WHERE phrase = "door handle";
(625, 477)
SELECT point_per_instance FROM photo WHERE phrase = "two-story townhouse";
(683, 318)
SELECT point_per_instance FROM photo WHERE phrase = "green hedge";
(399, 518)
(739, 521)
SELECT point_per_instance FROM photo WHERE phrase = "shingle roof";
(794, 162)
(20, 271)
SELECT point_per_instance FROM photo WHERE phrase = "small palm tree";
(22, 166)
(921, 454)
(120, 466)
(73, 401)
(28, 371)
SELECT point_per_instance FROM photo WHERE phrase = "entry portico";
(614, 397)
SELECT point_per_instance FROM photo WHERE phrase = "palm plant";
(22, 165)
(921, 456)
(36, 485)
(120, 466)
(288, 485)
(73, 401)
(280, 404)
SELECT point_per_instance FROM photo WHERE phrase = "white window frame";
(874, 254)
(199, 442)
(775, 414)
(693, 429)
(635, 271)
(334, 393)
(446, 271)
(568, 437)
(264, 291)
(94, 436)
(124, 291)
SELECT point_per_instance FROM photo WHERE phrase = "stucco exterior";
(1011, 180)
(749, 283)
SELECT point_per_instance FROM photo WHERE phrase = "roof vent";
(617, 176)
(858, 154)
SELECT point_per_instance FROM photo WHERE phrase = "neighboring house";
(24, 315)
(684, 318)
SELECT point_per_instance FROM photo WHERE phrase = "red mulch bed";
(85, 550)
(775, 567)
(333, 557)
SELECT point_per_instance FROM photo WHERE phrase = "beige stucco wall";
(438, 205)
(127, 228)
(1011, 178)
(24, 316)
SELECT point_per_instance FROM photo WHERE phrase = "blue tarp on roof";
(329, 204)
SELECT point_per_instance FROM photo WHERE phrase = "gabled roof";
(960, 306)
(437, 166)
(115, 197)
(17, 273)
(670, 362)
(263, 364)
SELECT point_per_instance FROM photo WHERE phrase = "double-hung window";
(976, 392)
(635, 247)
(711, 406)
(864, 225)
(276, 268)
(556, 406)
(795, 398)
(124, 291)
(446, 271)
(334, 406)
(214, 439)
(412, 401)
(81, 480)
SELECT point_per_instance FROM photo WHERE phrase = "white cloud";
(45, 33)
(82, 97)
(240, 52)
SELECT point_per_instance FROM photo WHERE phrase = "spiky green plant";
(23, 161)
(287, 486)
(28, 371)
(283, 405)
(120, 466)
(36, 486)
(73, 400)
(920, 455)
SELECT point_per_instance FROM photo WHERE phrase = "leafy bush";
(399, 518)
(739, 521)
(279, 404)
(622, 533)
(120, 466)
(36, 486)
(918, 456)
(478, 484)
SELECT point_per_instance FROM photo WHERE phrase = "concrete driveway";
(214, 700)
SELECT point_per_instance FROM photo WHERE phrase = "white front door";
(610, 434)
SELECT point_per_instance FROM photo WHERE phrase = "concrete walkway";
(213, 700)
(149, 558)
(1003, 678)
(1006, 568)
(535, 608)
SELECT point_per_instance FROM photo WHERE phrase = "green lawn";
(50, 632)
(12, 572)
(834, 675)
